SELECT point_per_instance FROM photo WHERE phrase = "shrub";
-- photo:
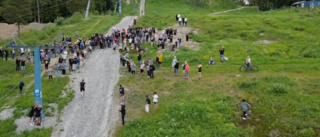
(306, 133)
(249, 83)
(278, 88)
(59, 21)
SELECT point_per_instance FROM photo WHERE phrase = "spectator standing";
(57, 71)
(121, 91)
(71, 62)
(6, 54)
(23, 63)
(152, 69)
(155, 100)
(50, 72)
(142, 68)
(221, 53)
(147, 103)
(187, 68)
(139, 59)
(31, 114)
(123, 113)
(12, 54)
(176, 67)
(63, 68)
(18, 64)
(160, 60)
(38, 114)
(21, 86)
(199, 70)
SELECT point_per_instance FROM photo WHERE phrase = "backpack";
(121, 90)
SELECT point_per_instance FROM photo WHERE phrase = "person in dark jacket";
(17, 64)
(21, 86)
(31, 114)
(38, 114)
(123, 112)
(152, 68)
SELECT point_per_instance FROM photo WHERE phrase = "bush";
(278, 88)
(306, 133)
(59, 21)
(249, 83)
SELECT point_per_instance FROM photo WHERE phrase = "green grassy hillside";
(284, 94)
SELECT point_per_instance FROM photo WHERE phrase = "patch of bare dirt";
(6, 30)
(274, 133)
(7, 113)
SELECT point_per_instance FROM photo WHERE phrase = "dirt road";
(95, 115)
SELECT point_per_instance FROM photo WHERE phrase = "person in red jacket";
(187, 68)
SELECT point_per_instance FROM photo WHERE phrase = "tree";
(265, 5)
(77, 5)
(15, 11)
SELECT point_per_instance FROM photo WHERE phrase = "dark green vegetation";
(284, 94)
(265, 5)
(50, 9)
(54, 91)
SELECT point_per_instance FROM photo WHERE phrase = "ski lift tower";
(37, 66)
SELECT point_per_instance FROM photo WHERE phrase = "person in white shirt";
(185, 21)
(180, 20)
(248, 62)
(155, 100)
(64, 55)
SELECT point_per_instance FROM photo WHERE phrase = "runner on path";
(82, 88)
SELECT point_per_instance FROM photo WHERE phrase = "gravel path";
(95, 115)
(216, 13)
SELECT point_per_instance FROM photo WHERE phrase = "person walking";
(31, 114)
(187, 68)
(21, 86)
(147, 103)
(121, 91)
(82, 88)
(155, 100)
(199, 70)
(245, 106)
(123, 113)
(57, 71)
(176, 67)
(221, 53)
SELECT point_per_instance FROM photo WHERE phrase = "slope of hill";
(284, 94)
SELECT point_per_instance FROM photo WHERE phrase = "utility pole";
(38, 11)
(119, 7)
(88, 7)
